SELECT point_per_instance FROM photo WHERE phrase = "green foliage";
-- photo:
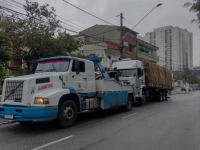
(187, 75)
(5, 48)
(194, 8)
(38, 35)
(2, 77)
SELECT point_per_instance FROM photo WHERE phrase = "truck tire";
(67, 114)
(165, 95)
(160, 97)
(128, 105)
(143, 99)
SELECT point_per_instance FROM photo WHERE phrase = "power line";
(70, 30)
(88, 13)
(11, 11)
(97, 20)
(132, 24)
(196, 58)
(88, 32)
(13, 4)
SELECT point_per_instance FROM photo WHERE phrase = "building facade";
(175, 47)
(196, 71)
(104, 41)
(147, 51)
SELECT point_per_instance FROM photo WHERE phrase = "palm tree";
(194, 8)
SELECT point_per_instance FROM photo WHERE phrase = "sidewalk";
(2, 121)
(178, 91)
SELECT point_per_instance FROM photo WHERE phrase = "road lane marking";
(129, 115)
(54, 142)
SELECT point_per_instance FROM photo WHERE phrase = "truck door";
(79, 80)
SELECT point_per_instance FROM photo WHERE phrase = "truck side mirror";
(77, 66)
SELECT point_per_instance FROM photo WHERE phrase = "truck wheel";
(67, 114)
(143, 98)
(160, 97)
(128, 105)
(165, 93)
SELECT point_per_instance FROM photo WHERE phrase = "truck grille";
(14, 90)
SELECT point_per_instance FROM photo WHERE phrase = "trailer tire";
(67, 114)
(159, 97)
(165, 95)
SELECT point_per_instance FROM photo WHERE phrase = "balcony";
(143, 55)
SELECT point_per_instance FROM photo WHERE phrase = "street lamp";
(160, 4)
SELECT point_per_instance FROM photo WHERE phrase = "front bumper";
(19, 113)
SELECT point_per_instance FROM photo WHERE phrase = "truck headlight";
(40, 100)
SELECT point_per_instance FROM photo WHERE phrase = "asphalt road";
(171, 125)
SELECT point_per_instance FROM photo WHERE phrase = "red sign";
(40, 88)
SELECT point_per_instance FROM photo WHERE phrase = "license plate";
(8, 116)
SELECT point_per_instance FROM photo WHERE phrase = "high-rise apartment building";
(175, 47)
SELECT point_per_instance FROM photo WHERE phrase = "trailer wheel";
(160, 96)
(143, 98)
(67, 114)
(165, 94)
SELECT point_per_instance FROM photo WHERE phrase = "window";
(127, 72)
(82, 66)
(130, 47)
(140, 72)
(58, 65)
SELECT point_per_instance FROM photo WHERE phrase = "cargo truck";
(60, 88)
(149, 80)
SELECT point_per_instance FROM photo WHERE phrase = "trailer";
(150, 81)
(60, 88)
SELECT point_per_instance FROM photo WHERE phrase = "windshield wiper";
(53, 68)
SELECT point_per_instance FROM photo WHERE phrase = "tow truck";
(59, 89)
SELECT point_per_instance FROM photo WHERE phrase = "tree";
(187, 75)
(5, 48)
(195, 8)
(37, 34)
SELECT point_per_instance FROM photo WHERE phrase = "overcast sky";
(170, 13)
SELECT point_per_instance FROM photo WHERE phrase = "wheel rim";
(68, 113)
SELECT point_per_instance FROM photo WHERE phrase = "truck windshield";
(58, 65)
(127, 72)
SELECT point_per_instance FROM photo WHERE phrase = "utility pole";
(187, 67)
(121, 36)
